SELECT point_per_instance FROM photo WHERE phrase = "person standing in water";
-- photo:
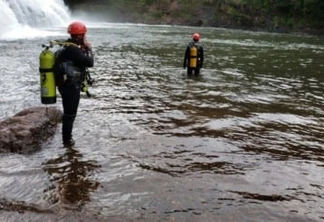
(73, 61)
(194, 56)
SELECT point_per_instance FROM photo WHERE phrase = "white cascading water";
(24, 18)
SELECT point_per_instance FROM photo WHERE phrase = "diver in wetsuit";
(194, 56)
(72, 63)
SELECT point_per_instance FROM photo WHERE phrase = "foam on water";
(31, 18)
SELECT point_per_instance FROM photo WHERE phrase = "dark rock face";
(27, 130)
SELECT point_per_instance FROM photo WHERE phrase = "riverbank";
(206, 14)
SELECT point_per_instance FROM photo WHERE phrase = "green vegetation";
(272, 15)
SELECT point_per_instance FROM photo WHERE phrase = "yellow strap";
(62, 43)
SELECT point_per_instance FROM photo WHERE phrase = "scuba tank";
(193, 56)
(47, 73)
(47, 79)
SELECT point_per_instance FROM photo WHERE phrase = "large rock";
(27, 130)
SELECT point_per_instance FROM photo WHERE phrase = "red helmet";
(77, 28)
(196, 37)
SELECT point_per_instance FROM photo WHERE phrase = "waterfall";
(18, 16)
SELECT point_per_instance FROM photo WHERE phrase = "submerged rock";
(27, 130)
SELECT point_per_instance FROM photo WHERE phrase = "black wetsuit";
(70, 90)
(200, 58)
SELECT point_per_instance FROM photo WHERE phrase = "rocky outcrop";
(27, 130)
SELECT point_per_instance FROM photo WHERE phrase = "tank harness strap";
(42, 70)
(63, 43)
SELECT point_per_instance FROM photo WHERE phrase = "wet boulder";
(27, 130)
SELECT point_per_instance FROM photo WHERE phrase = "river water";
(243, 141)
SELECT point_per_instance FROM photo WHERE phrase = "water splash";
(23, 19)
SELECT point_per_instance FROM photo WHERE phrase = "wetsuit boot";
(67, 127)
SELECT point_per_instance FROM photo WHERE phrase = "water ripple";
(244, 137)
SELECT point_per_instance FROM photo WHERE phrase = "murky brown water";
(242, 142)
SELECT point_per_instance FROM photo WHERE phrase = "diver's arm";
(186, 56)
(201, 56)
(82, 59)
